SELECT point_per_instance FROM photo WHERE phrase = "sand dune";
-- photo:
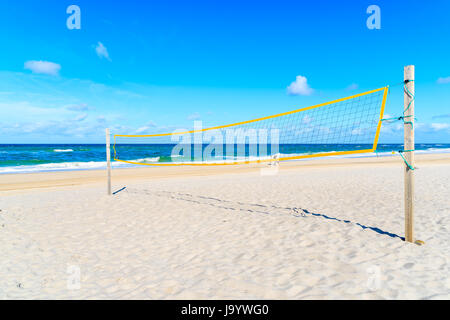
(326, 229)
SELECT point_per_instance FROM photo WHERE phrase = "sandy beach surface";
(323, 229)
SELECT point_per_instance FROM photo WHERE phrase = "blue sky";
(147, 66)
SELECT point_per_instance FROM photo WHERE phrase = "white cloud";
(299, 87)
(24, 110)
(194, 116)
(53, 129)
(440, 116)
(102, 51)
(324, 130)
(81, 117)
(353, 86)
(303, 131)
(440, 126)
(397, 127)
(443, 80)
(357, 132)
(78, 107)
(43, 67)
(306, 119)
(394, 127)
(144, 129)
(101, 119)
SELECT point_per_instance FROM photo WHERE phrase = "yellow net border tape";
(323, 154)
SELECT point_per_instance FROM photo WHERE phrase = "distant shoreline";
(33, 180)
(101, 165)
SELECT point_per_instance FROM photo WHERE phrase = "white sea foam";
(63, 166)
(145, 160)
(62, 150)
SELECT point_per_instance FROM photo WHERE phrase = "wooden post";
(108, 161)
(409, 155)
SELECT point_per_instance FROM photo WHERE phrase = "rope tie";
(397, 118)
(409, 104)
(403, 117)
(407, 122)
(404, 159)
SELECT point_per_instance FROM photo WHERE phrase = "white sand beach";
(323, 229)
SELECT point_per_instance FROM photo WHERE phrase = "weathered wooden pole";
(409, 152)
(108, 161)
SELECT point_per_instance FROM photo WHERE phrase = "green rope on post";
(404, 159)
(410, 94)
(405, 122)
(413, 97)
(407, 108)
(400, 152)
(398, 119)
(392, 119)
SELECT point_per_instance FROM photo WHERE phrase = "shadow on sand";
(377, 230)
(117, 191)
(255, 208)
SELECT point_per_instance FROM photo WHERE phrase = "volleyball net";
(349, 125)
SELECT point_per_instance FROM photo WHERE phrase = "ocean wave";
(62, 166)
(435, 150)
(62, 150)
(146, 160)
